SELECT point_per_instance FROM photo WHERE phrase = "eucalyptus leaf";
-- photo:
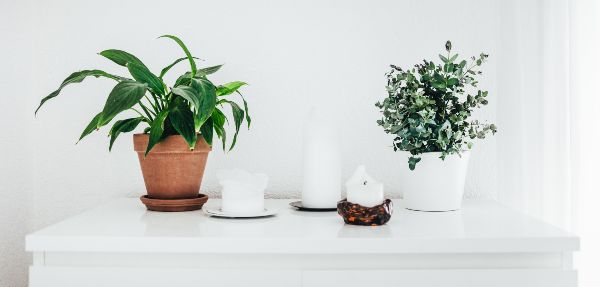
(428, 107)
(412, 162)
(452, 82)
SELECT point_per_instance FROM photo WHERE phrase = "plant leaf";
(156, 129)
(141, 74)
(185, 49)
(207, 100)
(90, 127)
(183, 80)
(123, 96)
(206, 131)
(123, 126)
(208, 70)
(412, 162)
(219, 125)
(121, 57)
(452, 82)
(190, 94)
(448, 67)
(164, 71)
(229, 88)
(248, 119)
(238, 117)
(182, 120)
(77, 77)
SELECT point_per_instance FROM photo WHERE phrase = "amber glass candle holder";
(357, 214)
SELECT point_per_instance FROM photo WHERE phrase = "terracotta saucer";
(174, 205)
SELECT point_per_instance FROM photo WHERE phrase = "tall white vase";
(322, 183)
(435, 184)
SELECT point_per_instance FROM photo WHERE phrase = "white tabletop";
(124, 225)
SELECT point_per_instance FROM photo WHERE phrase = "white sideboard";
(122, 244)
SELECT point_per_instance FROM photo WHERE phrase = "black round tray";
(298, 205)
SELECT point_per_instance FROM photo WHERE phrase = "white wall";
(294, 54)
(16, 148)
(585, 40)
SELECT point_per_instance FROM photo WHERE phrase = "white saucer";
(219, 213)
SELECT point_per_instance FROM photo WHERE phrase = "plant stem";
(156, 102)
(168, 97)
(151, 104)
(469, 69)
(160, 102)
(138, 112)
(146, 111)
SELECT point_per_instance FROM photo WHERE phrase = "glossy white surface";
(219, 212)
(125, 226)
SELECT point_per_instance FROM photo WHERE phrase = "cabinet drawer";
(159, 277)
(446, 278)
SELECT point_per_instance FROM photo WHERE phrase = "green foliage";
(189, 108)
(74, 78)
(123, 126)
(429, 106)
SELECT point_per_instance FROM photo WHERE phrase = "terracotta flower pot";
(171, 170)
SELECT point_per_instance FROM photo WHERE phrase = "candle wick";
(365, 182)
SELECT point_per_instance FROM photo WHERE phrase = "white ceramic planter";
(435, 184)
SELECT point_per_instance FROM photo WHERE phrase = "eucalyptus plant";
(192, 107)
(429, 106)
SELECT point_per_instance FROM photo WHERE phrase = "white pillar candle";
(322, 186)
(242, 192)
(362, 189)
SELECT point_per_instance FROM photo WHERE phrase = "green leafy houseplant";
(191, 108)
(429, 106)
